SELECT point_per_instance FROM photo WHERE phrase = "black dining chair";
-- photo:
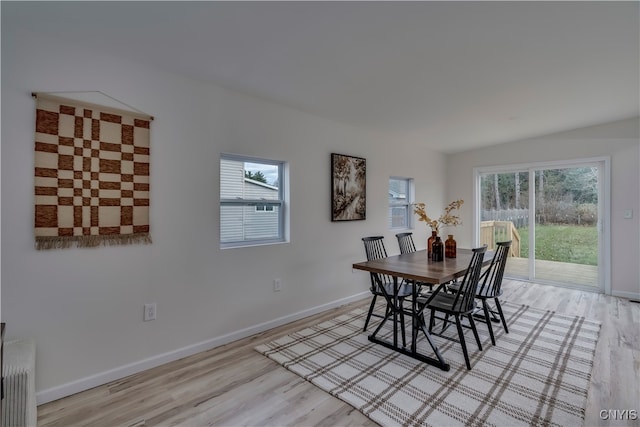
(405, 242)
(406, 245)
(383, 284)
(457, 303)
(490, 288)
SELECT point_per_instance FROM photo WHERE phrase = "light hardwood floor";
(234, 385)
(554, 271)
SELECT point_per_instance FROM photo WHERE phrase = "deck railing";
(500, 231)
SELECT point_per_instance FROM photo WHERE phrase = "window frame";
(410, 190)
(281, 202)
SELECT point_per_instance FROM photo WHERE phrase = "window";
(400, 200)
(252, 201)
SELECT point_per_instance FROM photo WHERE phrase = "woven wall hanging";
(91, 174)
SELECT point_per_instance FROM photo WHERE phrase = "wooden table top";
(419, 267)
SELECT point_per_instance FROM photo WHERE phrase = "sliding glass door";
(554, 215)
(504, 215)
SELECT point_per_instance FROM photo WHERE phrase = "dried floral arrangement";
(446, 219)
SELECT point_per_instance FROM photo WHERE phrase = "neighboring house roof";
(396, 190)
(261, 184)
(397, 195)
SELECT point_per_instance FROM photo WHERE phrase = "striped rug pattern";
(538, 374)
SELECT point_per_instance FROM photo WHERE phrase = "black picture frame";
(348, 188)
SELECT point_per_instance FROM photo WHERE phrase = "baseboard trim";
(628, 295)
(120, 372)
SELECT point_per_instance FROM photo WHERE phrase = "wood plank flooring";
(233, 385)
(554, 271)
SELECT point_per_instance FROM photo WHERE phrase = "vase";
(430, 241)
(437, 250)
(450, 247)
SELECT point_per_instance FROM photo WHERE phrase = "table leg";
(395, 311)
(439, 362)
(414, 317)
(415, 325)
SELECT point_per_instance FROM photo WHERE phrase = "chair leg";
(432, 320)
(504, 322)
(373, 303)
(404, 333)
(462, 342)
(445, 323)
(487, 318)
(475, 331)
(388, 312)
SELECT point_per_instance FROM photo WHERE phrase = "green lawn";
(566, 243)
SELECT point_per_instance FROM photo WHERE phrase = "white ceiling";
(456, 75)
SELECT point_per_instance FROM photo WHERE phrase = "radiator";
(19, 370)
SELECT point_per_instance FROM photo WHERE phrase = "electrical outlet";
(149, 312)
(277, 285)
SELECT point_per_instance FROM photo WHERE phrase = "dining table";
(418, 269)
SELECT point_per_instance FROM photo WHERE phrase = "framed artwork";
(348, 188)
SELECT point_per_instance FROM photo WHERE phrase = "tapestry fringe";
(62, 242)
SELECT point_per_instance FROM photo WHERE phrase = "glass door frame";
(604, 211)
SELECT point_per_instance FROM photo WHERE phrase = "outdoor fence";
(519, 217)
(553, 213)
(500, 231)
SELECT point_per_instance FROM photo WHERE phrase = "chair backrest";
(464, 297)
(491, 280)
(374, 247)
(405, 242)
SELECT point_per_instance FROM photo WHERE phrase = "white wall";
(619, 140)
(84, 306)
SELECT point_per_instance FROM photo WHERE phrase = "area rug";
(538, 374)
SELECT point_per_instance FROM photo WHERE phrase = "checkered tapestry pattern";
(91, 175)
